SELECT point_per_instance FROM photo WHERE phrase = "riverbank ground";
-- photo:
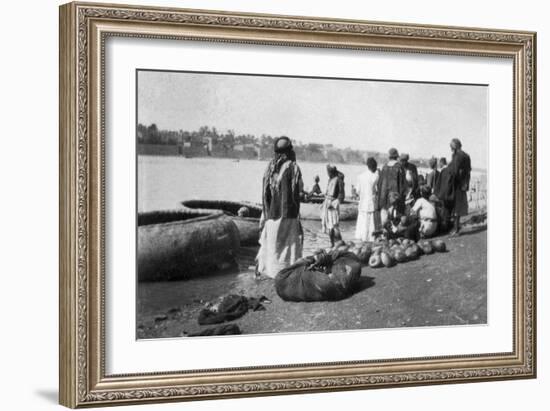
(441, 289)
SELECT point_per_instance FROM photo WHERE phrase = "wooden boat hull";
(312, 211)
(176, 245)
(249, 227)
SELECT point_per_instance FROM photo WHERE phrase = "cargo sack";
(335, 280)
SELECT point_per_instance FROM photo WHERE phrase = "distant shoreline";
(478, 170)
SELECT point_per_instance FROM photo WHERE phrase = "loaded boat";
(178, 244)
(247, 222)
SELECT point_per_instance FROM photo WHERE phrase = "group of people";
(397, 201)
(394, 201)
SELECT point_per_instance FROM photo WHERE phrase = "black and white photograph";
(278, 204)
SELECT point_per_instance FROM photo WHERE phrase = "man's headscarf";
(393, 154)
(283, 152)
(456, 143)
(332, 170)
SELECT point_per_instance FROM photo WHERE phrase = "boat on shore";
(311, 210)
(179, 244)
(248, 225)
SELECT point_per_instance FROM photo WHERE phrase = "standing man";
(368, 218)
(391, 180)
(281, 239)
(444, 192)
(330, 212)
(460, 167)
(411, 178)
(432, 175)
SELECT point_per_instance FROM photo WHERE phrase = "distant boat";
(249, 226)
(178, 244)
(311, 210)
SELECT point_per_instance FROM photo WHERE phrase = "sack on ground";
(335, 280)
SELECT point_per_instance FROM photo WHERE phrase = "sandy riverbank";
(439, 289)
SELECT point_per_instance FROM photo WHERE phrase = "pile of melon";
(387, 253)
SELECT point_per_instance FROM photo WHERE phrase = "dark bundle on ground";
(229, 308)
(307, 281)
(226, 329)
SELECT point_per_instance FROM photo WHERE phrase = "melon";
(364, 255)
(386, 259)
(426, 247)
(395, 247)
(375, 261)
(439, 246)
(399, 256)
(417, 249)
(411, 253)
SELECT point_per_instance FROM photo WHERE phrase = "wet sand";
(439, 289)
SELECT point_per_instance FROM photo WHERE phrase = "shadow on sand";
(472, 230)
(364, 282)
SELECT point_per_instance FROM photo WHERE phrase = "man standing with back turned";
(391, 180)
(460, 167)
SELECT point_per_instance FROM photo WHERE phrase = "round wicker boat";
(178, 244)
(248, 227)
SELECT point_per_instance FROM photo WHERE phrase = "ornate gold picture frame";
(84, 29)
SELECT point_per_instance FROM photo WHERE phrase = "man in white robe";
(368, 220)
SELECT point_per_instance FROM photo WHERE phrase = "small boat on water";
(312, 209)
(248, 226)
(178, 244)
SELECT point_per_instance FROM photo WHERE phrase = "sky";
(417, 118)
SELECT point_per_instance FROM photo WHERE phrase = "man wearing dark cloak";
(392, 180)
(281, 237)
(461, 168)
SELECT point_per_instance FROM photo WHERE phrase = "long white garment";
(281, 243)
(367, 224)
(367, 219)
(330, 215)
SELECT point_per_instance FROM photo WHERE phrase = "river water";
(165, 181)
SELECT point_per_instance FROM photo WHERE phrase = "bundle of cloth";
(320, 277)
(229, 308)
(225, 329)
